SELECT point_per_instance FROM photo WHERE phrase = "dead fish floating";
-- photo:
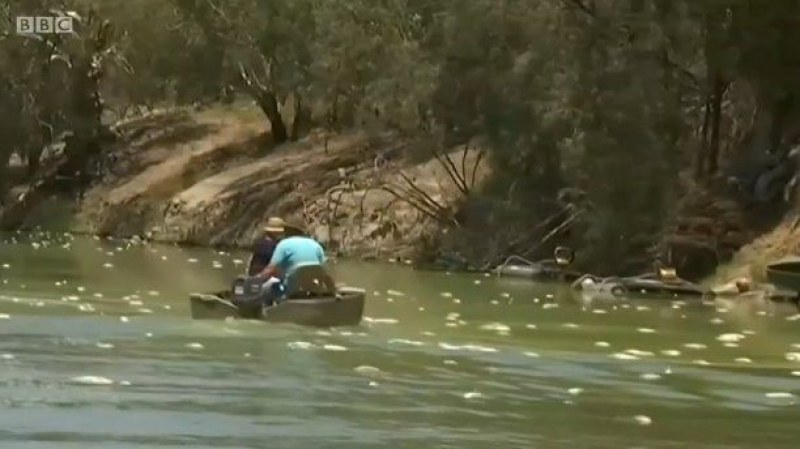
(312, 300)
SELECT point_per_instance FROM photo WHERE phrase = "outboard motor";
(246, 289)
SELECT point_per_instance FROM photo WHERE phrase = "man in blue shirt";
(294, 251)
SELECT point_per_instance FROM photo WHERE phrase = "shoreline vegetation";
(438, 132)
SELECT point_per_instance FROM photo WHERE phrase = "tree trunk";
(3, 181)
(269, 105)
(702, 151)
(716, 117)
(552, 169)
(714, 50)
(762, 128)
(782, 109)
(302, 119)
(34, 162)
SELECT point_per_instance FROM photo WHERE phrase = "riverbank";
(212, 177)
(752, 260)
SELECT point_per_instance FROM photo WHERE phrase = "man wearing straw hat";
(262, 251)
(264, 247)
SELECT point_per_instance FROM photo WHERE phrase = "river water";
(97, 350)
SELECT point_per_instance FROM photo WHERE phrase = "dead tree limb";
(589, 9)
(464, 155)
(425, 197)
(340, 189)
(452, 171)
(475, 166)
(421, 208)
(420, 201)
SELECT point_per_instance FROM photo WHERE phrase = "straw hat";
(275, 225)
(294, 227)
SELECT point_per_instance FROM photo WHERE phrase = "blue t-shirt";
(294, 252)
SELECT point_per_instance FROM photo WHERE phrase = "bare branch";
(412, 202)
(268, 69)
(251, 81)
(421, 200)
(474, 174)
(586, 9)
(561, 226)
(340, 189)
(451, 170)
(459, 177)
(464, 155)
(693, 79)
(423, 195)
(219, 12)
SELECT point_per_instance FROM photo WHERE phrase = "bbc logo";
(44, 25)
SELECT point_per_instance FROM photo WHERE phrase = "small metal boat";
(313, 300)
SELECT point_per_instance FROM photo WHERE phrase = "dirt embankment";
(777, 236)
(752, 260)
(212, 179)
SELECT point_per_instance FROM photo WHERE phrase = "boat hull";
(785, 274)
(344, 309)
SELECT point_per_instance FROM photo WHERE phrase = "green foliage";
(613, 98)
(52, 87)
(369, 64)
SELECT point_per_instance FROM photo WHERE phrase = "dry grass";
(752, 260)
(242, 112)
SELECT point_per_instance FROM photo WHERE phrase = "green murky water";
(97, 350)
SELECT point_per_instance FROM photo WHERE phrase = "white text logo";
(44, 25)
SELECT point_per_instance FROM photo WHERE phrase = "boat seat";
(310, 281)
